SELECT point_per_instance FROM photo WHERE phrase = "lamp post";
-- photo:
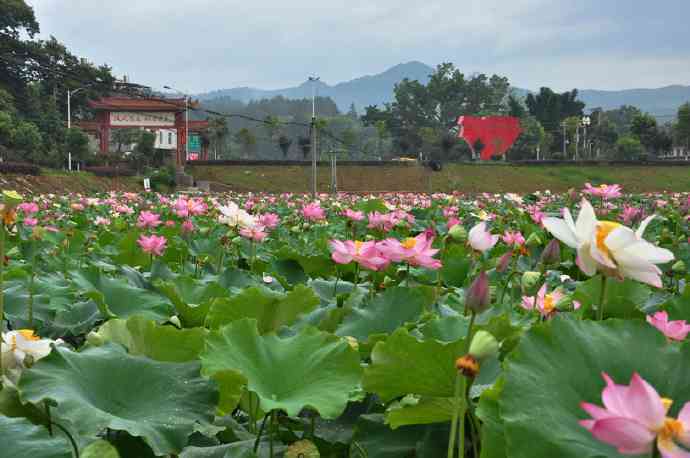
(186, 120)
(313, 80)
(69, 115)
(586, 122)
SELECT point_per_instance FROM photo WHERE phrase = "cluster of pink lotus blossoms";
(373, 255)
(634, 417)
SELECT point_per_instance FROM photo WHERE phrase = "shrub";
(108, 171)
(20, 168)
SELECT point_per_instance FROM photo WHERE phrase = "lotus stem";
(459, 389)
(273, 432)
(602, 296)
(261, 431)
(2, 290)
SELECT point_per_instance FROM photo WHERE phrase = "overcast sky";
(201, 45)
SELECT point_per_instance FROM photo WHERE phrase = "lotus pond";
(397, 325)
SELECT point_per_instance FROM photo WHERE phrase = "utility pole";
(577, 141)
(69, 115)
(314, 135)
(586, 121)
(565, 140)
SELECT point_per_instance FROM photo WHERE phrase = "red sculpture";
(496, 133)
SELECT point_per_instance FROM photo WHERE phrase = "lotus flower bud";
(95, 339)
(679, 268)
(11, 198)
(504, 262)
(458, 233)
(533, 240)
(352, 342)
(175, 321)
(478, 295)
(484, 345)
(531, 281)
(552, 253)
(295, 229)
(302, 449)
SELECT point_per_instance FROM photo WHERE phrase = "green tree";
(124, 138)
(218, 131)
(247, 141)
(629, 147)
(285, 142)
(645, 128)
(7, 126)
(27, 142)
(683, 125)
(533, 136)
(551, 109)
(77, 143)
(144, 150)
(516, 107)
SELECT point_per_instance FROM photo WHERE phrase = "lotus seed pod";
(458, 233)
(531, 281)
(484, 345)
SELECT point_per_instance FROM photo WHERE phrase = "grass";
(494, 178)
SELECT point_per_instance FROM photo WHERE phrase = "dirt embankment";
(68, 183)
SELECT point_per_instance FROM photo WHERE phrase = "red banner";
(496, 133)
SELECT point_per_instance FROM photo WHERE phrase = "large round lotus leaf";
(558, 364)
(160, 342)
(311, 369)
(104, 387)
(19, 438)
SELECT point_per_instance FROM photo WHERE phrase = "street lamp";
(586, 122)
(313, 80)
(186, 120)
(69, 113)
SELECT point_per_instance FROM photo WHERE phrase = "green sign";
(194, 145)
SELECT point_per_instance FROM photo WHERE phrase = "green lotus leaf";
(104, 387)
(558, 365)
(271, 309)
(162, 343)
(191, 298)
(404, 365)
(387, 312)
(100, 449)
(21, 438)
(624, 299)
(311, 369)
(374, 439)
(493, 434)
(116, 298)
(412, 410)
(678, 307)
(456, 266)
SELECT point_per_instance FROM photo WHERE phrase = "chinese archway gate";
(152, 114)
(496, 133)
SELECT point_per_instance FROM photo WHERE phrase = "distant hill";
(378, 89)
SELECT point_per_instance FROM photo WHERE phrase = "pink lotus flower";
(366, 254)
(256, 233)
(379, 221)
(353, 215)
(513, 238)
(28, 208)
(148, 219)
(546, 303)
(77, 207)
(480, 239)
(154, 245)
(605, 191)
(634, 416)
(30, 222)
(100, 221)
(123, 209)
(674, 330)
(631, 215)
(535, 213)
(187, 227)
(169, 223)
(313, 212)
(415, 251)
(453, 221)
(269, 220)
(184, 208)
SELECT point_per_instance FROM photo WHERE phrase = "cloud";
(201, 45)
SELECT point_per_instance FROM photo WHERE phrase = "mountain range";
(378, 89)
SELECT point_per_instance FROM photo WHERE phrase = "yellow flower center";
(604, 228)
(28, 334)
(409, 243)
(549, 304)
(358, 246)
(671, 430)
(667, 403)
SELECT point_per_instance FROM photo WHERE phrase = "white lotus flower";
(234, 216)
(21, 347)
(609, 247)
(480, 239)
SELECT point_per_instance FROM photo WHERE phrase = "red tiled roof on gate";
(139, 104)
